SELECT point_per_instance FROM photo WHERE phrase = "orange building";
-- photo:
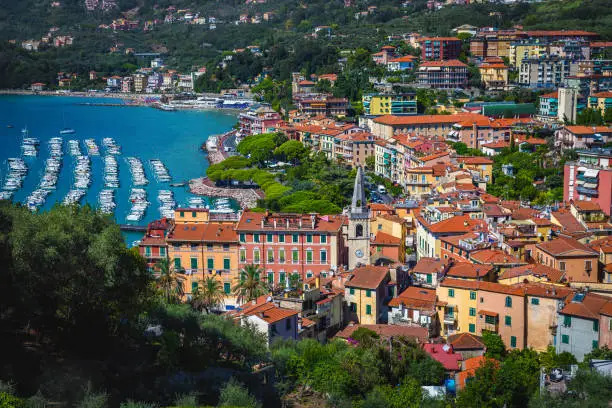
(578, 261)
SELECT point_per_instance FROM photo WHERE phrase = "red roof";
(415, 297)
(445, 354)
(537, 270)
(481, 285)
(447, 63)
(465, 341)
(566, 247)
(474, 160)
(382, 238)
(368, 277)
(468, 270)
(588, 130)
(494, 256)
(589, 308)
(429, 266)
(269, 313)
(426, 119)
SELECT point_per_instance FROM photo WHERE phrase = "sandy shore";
(247, 198)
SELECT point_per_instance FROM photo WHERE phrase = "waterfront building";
(324, 105)
(127, 84)
(114, 82)
(38, 86)
(429, 126)
(93, 75)
(285, 245)
(140, 82)
(449, 74)
(258, 119)
(546, 72)
(440, 48)
(394, 104)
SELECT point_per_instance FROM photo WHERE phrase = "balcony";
(450, 319)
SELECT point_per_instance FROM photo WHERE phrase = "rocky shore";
(247, 198)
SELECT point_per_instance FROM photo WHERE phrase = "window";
(595, 344)
(255, 237)
(281, 278)
(472, 328)
(472, 295)
(270, 278)
(587, 265)
(227, 287)
(309, 256)
(226, 247)
(242, 237)
(323, 257)
(194, 263)
(182, 214)
(256, 256)
(295, 238)
(451, 293)
(489, 319)
(194, 286)
(281, 238)
(562, 266)
(472, 311)
(162, 251)
(508, 321)
(226, 263)
(352, 291)
(359, 230)
(211, 263)
(269, 238)
(242, 255)
(281, 255)
(270, 256)
(508, 301)
(429, 278)
(193, 214)
(353, 307)
(324, 239)
(148, 251)
(177, 263)
(513, 341)
(565, 339)
(368, 293)
(295, 256)
(596, 326)
(535, 301)
(368, 309)
(309, 239)
(567, 321)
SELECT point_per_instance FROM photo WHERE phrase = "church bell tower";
(359, 225)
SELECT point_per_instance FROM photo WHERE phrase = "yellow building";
(601, 101)
(494, 75)
(519, 52)
(419, 180)
(191, 216)
(365, 293)
(460, 309)
(482, 165)
(390, 104)
(201, 250)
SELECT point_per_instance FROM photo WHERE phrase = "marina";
(106, 200)
(166, 203)
(29, 145)
(92, 147)
(17, 171)
(138, 175)
(138, 198)
(111, 172)
(161, 172)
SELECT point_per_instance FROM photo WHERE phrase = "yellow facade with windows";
(459, 313)
(365, 304)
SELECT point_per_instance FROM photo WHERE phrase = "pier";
(122, 105)
(136, 228)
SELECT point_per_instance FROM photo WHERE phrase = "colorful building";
(494, 75)
(601, 101)
(448, 74)
(390, 104)
(440, 48)
(590, 178)
(365, 294)
(578, 261)
(258, 119)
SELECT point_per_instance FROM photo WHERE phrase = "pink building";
(583, 137)
(590, 178)
(284, 245)
(259, 119)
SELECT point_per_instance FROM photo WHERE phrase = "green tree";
(370, 163)
(250, 286)
(170, 281)
(291, 150)
(494, 345)
(208, 295)
(234, 394)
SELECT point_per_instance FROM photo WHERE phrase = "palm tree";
(249, 287)
(208, 295)
(170, 282)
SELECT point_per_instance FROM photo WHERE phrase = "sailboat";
(66, 130)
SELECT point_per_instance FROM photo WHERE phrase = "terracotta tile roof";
(554, 94)
(481, 285)
(187, 232)
(270, 313)
(447, 63)
(469, 369)
(368, 277)
(251, 221)
(420, 334)
(545, 290)
(586, 205)
(495, 210)
(605, 44)
(561, 33)
(589, 308)
(568, 222)
(607, 94)
(566, 247)
(474, 160)
(380, 207)
(465, 341)
(425, 119)
(415, 297)
(532, 141)
(453, 225)
(494, 256)
(307, 322)
(468, 270)
(538, 270)
(405, 58)
(488, 313)
(423, 39)
(604, 245)
(606, 309)
(382, 238)
(429, 265)
(444, 354)
(496, 145)
(588, 130)
(433, 156)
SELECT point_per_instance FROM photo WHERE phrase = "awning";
(581, 168)
(591, 173)
(488, 313)
(579, 182)
(590, 185)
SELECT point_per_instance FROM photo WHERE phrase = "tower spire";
(359, 203)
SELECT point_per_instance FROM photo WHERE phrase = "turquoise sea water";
(146, 133)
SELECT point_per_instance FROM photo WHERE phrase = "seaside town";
(425, 222)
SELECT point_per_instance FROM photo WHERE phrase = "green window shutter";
(282, 277)
(148, 251)
(596, 326)
(472, 311)
(323, 257)
(512, 341)
(472, 295)
(472, 328)
(368, 309)
(309, 256)
(295, 255)
(567, 321)
(162, 251)
(281, 255)
(182, 214)
(564, 339)
(227, 287)
(255, 237)
(323, 239)
(508, 301)
(535, 301)
(211, 263)
(269, 237)
(193, 214)
(508, 321)
(243, 255)
(595, 344)
(226, 263)
(177, 263)
(352, 291)
(368, 293)
(295, 237)
(194, 286)
(451, 293)
(309, 238)
(194, 263)
(256, 256)
(281, 238)
(270, 278)
(242, 237)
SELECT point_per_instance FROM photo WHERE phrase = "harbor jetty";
(247, 198)
(215, 147)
